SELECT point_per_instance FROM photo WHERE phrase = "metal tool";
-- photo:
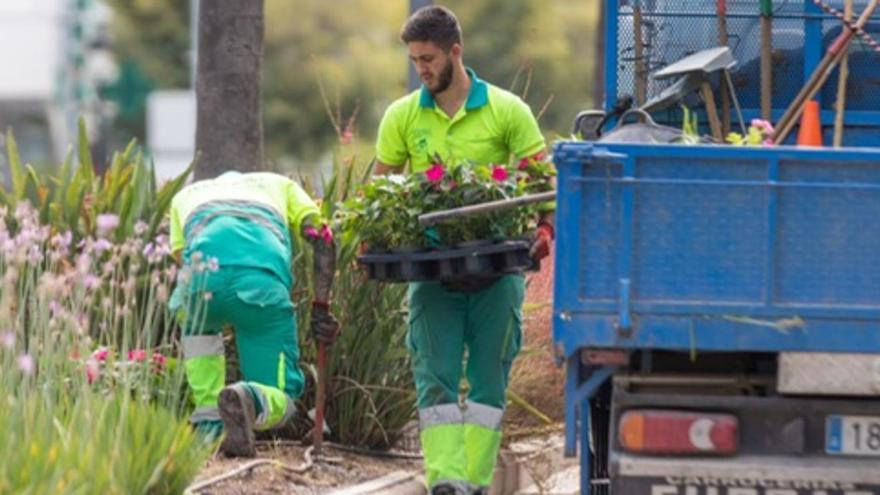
(320, 399)
(694, 71)
(766, 59)
(503, 204)
(843, 78)
(826, 66)
(641, 66)
(721, 9)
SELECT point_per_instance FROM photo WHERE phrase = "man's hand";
(544, 236)
(325, 327)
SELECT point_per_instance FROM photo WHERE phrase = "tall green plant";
(72, 198)
(87, 409)
(370, 395)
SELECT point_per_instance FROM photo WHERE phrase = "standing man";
(232, 234)
(457, 116)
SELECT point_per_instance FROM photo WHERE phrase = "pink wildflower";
(91, 282)
(137, 355)
(102, 245)
(159, 361)
(435, 173)
(347, 136)
(26, 364)
(93, 370)
(101, 354)
(499, 173)
(8, 340)
(107, 223)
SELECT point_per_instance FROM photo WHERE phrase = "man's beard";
(444, 79)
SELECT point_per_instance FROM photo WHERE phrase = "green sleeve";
(391, 142)
(299, 206)
(524, 137)
(175, 236)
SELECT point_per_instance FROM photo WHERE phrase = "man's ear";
(456, 50)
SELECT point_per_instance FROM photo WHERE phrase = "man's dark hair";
(434, 23)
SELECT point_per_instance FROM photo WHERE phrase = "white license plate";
(853, 435)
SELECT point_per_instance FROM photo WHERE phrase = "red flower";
(137, 355)
(93, 370)
(499, 173)
(347, 136)
(101, 354)
(159, 359)
(435, 173)
(523, 164)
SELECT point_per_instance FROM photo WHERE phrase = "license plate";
(853, 435)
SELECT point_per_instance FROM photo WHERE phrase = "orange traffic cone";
(810, 132)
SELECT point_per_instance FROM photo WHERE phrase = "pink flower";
(26, 364)
(93, 370)
(8, 340)
(523, 164)
(107, 223)
(101, 354)
(765, 126)
(102, 245)
(91, 282)
(137, 355)
(326, 235)
(499, 173)
(347, 136)
(159, 359)
(435, 173)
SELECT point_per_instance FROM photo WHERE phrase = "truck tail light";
(648, 431)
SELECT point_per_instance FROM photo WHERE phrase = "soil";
(534, 377)
(322, 477)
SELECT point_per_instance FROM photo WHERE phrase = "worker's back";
(241, 220)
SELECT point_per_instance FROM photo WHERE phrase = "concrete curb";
(394, 483)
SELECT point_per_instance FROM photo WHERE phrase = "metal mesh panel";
(673, 29)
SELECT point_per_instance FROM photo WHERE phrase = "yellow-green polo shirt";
(492, 125)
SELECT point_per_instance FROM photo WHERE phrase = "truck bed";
(717, 248)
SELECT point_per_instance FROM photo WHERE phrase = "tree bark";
(229, 128)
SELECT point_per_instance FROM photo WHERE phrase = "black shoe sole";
(237, 422)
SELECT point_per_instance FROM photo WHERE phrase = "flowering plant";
(384, 214)
(760, 133)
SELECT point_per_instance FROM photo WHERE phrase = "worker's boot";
(238, 413)
(447, 489)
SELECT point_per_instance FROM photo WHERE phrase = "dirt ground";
(534, 378)
(322, 477)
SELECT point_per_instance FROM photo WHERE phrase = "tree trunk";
(229, 128)
(599, 95)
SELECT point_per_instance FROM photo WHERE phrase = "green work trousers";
(257, 305)
(460, 442)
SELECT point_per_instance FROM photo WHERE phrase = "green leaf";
(85, 155)
(15, 168)
(166, 194)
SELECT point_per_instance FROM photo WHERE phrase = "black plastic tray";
(475, 260)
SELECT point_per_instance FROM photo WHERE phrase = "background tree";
(229, 121)
(345, 56)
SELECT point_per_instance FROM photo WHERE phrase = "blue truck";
(717, 308)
